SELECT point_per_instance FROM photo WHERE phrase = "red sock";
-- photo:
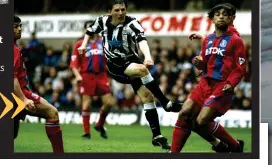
(219, 131)
(181, 133)
(102, 118)
(86, 121)
(54, 134)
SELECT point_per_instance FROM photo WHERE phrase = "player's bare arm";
(148, 62)
(78, 77)
(198, 60)
(29, 104)
(83, 46)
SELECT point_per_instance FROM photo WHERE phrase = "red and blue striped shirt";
(224, 58)
(93, 61)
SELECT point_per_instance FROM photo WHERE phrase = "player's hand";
(29, 105)
(194, 36)
(197, 60)
(82, 49)
(148, 63)
(227, 89)
(78, 79)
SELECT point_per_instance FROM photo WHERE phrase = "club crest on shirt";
(241, 60)
(115, 43)
(223, 43)
(73, 57)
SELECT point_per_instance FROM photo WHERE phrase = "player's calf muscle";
(145, 95)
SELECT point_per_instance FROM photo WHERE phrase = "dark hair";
(16, 19)
(88, 22)
(233, 8)
(111, 3)
(218, 7)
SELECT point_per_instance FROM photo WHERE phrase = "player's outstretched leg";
(217, 144)
(204, 124)
(139, 70)
(152, 117)
(220, 132)
(184, 125)
(108, 102)
(85, 113)
(52, 126)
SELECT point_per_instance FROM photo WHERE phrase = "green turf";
(32, 138)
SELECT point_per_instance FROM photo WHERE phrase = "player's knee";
(185, 112)
(143, 71)
(200, 121)
(112, 102)
(183, 115)
(108, 103)
(53, 114)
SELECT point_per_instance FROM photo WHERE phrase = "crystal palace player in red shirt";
(34, 104)
(218, 144)
(223, 61)
(90, 73)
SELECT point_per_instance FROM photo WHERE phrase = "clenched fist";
(82, 50)
(195, 36)
(148, 63)
(197, 60)
(29, 105)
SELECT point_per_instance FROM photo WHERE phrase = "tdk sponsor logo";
(215, 50)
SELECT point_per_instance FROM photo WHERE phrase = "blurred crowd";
(51, 78)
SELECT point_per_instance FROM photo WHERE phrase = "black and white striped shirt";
(119, 41)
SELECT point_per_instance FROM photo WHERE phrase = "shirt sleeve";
(240, 63)
(74, 63)
(137, 31)
(96, 27)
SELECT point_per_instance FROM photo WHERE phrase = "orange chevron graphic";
(9, 105)
(20, 104)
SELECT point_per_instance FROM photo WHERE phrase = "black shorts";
(117, 67)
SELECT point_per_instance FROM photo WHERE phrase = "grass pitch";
(136, 138)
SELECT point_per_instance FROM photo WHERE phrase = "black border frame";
(6, 87)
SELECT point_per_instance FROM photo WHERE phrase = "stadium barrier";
(232, 119)
(155, 24)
